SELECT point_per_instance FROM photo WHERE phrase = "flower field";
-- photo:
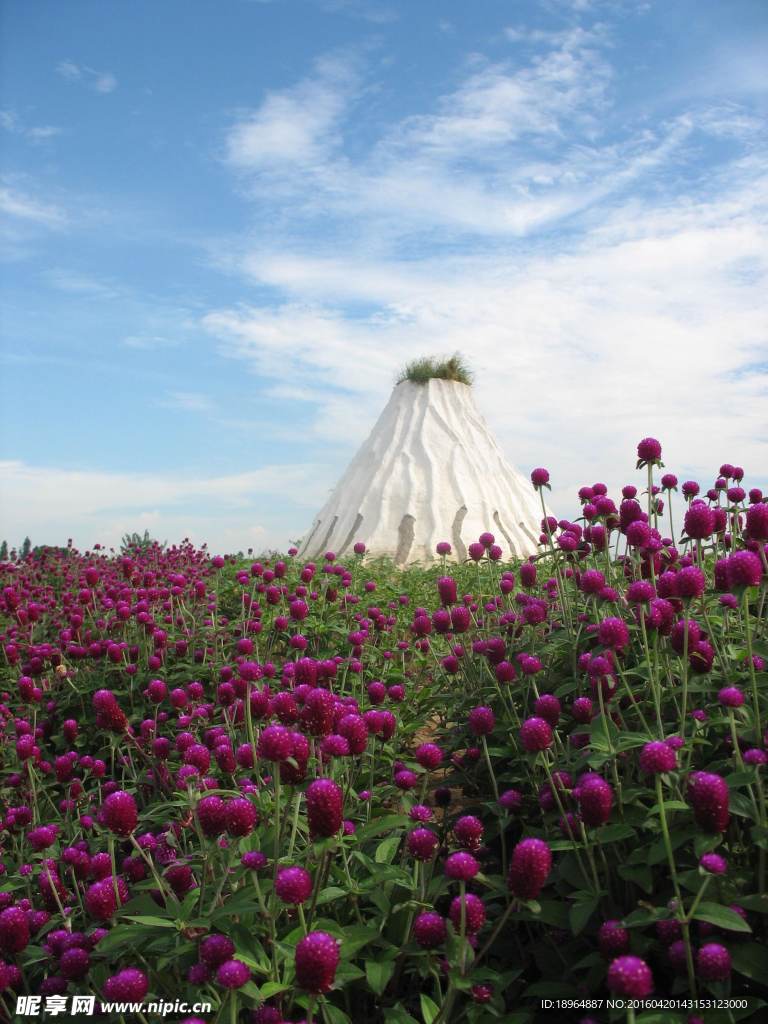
(340, 792)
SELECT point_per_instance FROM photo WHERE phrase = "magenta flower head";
(233, 974)
(743, 569)
(275, 743)
(14, 930)
(481, 721)
(595, 797)
(446, 588)
(730, 697)
(757, 521)
(630, 976)
(430, 930)
(359, 548)
(429, 756)
(119, 814)
(612, 632)
(708, 795)
(461, 866)
(476, 551)
(211, 813)
(293, 885)
(511, 800)
(474, 913)
(536, 735)
(128, 985)
(657, 757)
(669, 482)
(443, 548)
(422, 843)
(529, 869)
(648, 450)
(324, 807)
(699, 521)
(240, 816)
(713, 962)
(469, 831)
(540, 478)
(689, 582)
(215, 949)
(612, 938)
(317, 957)
(713, 863)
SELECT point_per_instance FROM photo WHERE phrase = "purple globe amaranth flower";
(14, 931)
(713, 962)
(429, 756)
(215, 949)
(757, 521)
(482, 721)
(325, 805)
(630, 976)
(730, 697)
(475, 551)
(649, 450)
(233, 974)
(128, 985)
(211, 813)
(690, 582)
(253, 860)
(612, 938)
(690, 488)
(422, 843)
(595, 797)
(317, 958)
(511, 800)
(240, 816)
(529, 868)
(548, 707)
(539, 477)
(638, 535)
(657, 757)
(612, 632)
(474, 913)
(709, 796)
(275, 743)
(461, 866)
(469, 831)
(713, 863)
(536, 735)
(669, 481)
(743, 569)
(699, 521)
(639, 592)
(293, 885)
(443, 548)
(359, 548)
(430, 929)
(446, 588)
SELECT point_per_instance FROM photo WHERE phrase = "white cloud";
(99, 81)
(77, 283)
(50, 504)
(11, 122)
(25, 207)
(294, 126)
(149, 342)
(187, 401)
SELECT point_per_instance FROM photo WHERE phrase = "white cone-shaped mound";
(429, 471)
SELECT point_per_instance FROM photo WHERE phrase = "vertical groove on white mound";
(430, 470)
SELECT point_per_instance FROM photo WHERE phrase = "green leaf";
(429, 1009)
(723, 917)
(398, 1015)
(757, 903)
(640, 874)
(155, 922)
(615, 833)
(378, 974)
(386, 851)
(750, 959)
(334, 1014)
(581, 912)
(271, 988)
(331, 893)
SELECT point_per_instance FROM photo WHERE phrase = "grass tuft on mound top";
(419, 371)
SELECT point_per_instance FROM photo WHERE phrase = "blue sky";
(226, 225)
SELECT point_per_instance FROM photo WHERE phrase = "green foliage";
(419, 371)
(134, 543)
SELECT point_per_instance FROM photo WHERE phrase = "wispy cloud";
(25, 207)
(11, 122)
(187, 401)
(99, 81)
(76, 283)
(51, 503)
(149, 342)
(296, 126)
